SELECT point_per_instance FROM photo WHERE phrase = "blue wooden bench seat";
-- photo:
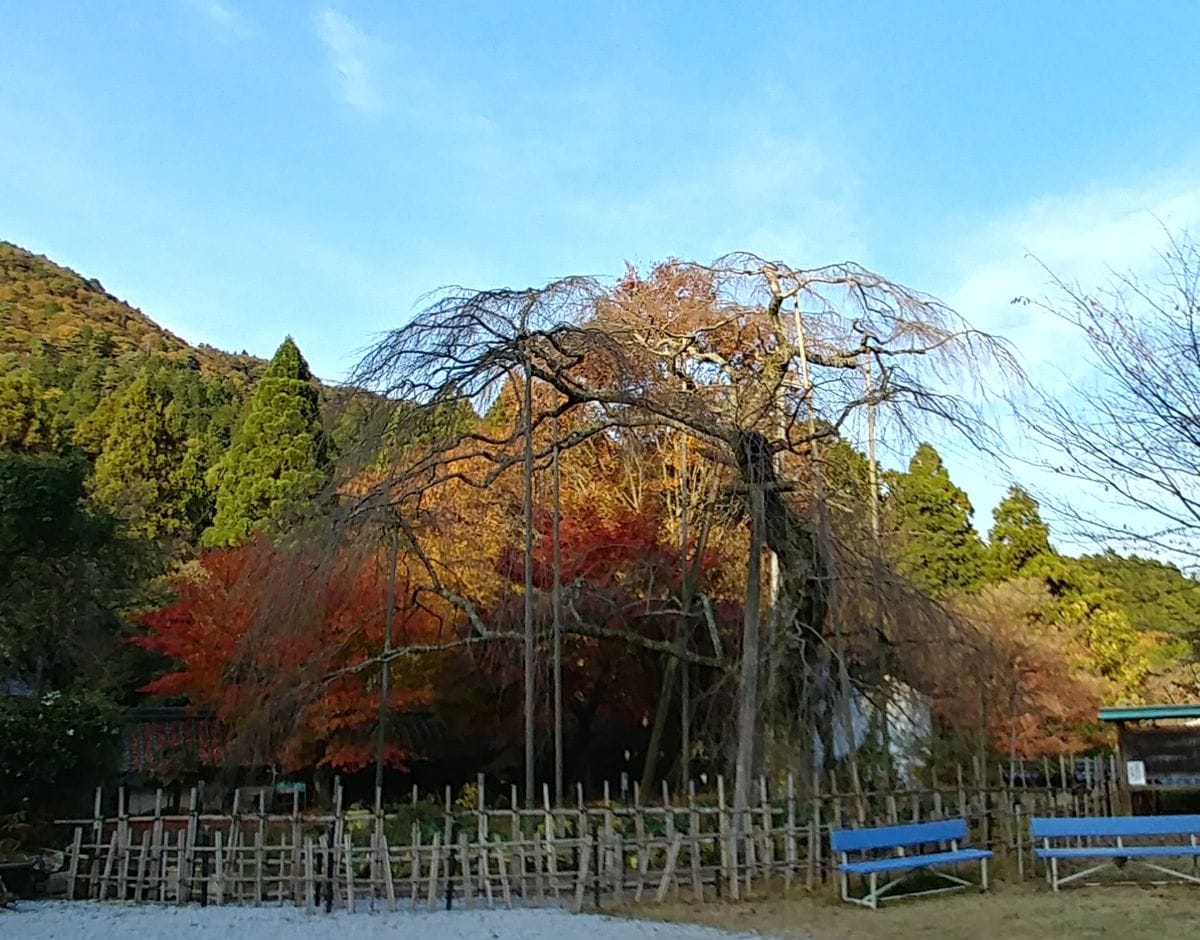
(901, 840)
(1113, 831)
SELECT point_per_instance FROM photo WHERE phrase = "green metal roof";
(1149, 712)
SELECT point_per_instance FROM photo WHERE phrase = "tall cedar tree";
(930, 520)
(277, 460)
(1018, 538)
(149, 469)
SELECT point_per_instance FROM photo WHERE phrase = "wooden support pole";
(668, 869)
(143, 860)
(309, 877)
(73, 867)
(464, 855)
(219, 870)
(180, 866)
(348, 858)
(415, 872)
(109, 860)
(388, 884)
(156, 842)
(122, 845)
(260, 862)
(339, 831)
(435, 859)
(97, 843)
(581, 880)
(694, 844)
(505, 887)
(297, 848)
(485, 873)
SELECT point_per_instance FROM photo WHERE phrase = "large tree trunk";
(748, 703)
(661, 711)
(802, 593)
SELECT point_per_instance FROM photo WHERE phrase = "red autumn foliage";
(617, 574)
(1037, 699)
(254, 640)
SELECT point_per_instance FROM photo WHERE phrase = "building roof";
(1149, 712)
(153, 734)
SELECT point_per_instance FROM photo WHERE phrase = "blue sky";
(241, 170)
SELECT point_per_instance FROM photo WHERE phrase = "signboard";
(288, 787)
(1164, 758)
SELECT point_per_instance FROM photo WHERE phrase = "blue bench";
(1056, 836)
(901, 840)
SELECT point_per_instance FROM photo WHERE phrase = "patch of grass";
(1011, 911)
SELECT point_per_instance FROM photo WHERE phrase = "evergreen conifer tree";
(929, 519)
(277, 460)
(149, 469)
(1018, 538)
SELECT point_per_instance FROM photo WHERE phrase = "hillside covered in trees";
(183, 525)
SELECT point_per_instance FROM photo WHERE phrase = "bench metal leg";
(1054, 873)
(1182, 876)
(877, 893)
(870, 900)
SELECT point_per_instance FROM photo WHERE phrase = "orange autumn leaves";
(255, 635)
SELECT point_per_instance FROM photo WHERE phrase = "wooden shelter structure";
(1158, 749)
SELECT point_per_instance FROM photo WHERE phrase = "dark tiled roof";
(153, 734)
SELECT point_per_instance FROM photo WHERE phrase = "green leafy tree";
(277, 461)
(1019, 540)
(54, 747)
(1155, 595)
(26, 413)
(930, 530)
(1115, 649)
(66, 574)
(437, 423)
(1079, 604)
(149, 467)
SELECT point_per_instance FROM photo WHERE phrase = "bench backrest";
(1042, 827)
(887, 837)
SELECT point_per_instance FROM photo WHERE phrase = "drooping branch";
(701, 351)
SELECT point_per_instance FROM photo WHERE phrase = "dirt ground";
(1011, 911)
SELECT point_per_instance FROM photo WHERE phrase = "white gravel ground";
(83, 920)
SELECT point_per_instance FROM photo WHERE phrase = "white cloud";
(761, 186)
(355, 58)
(1083, 237)
(228, 22)
(1087, 237)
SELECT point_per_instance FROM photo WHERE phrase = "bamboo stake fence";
(430, 853)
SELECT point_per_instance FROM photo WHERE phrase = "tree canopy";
(929, 518)
(675, 469)
(277, 461)
(1018, 538)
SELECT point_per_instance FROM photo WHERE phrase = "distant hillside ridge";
(45, 307)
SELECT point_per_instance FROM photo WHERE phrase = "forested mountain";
(49, 310)
(113, 433)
